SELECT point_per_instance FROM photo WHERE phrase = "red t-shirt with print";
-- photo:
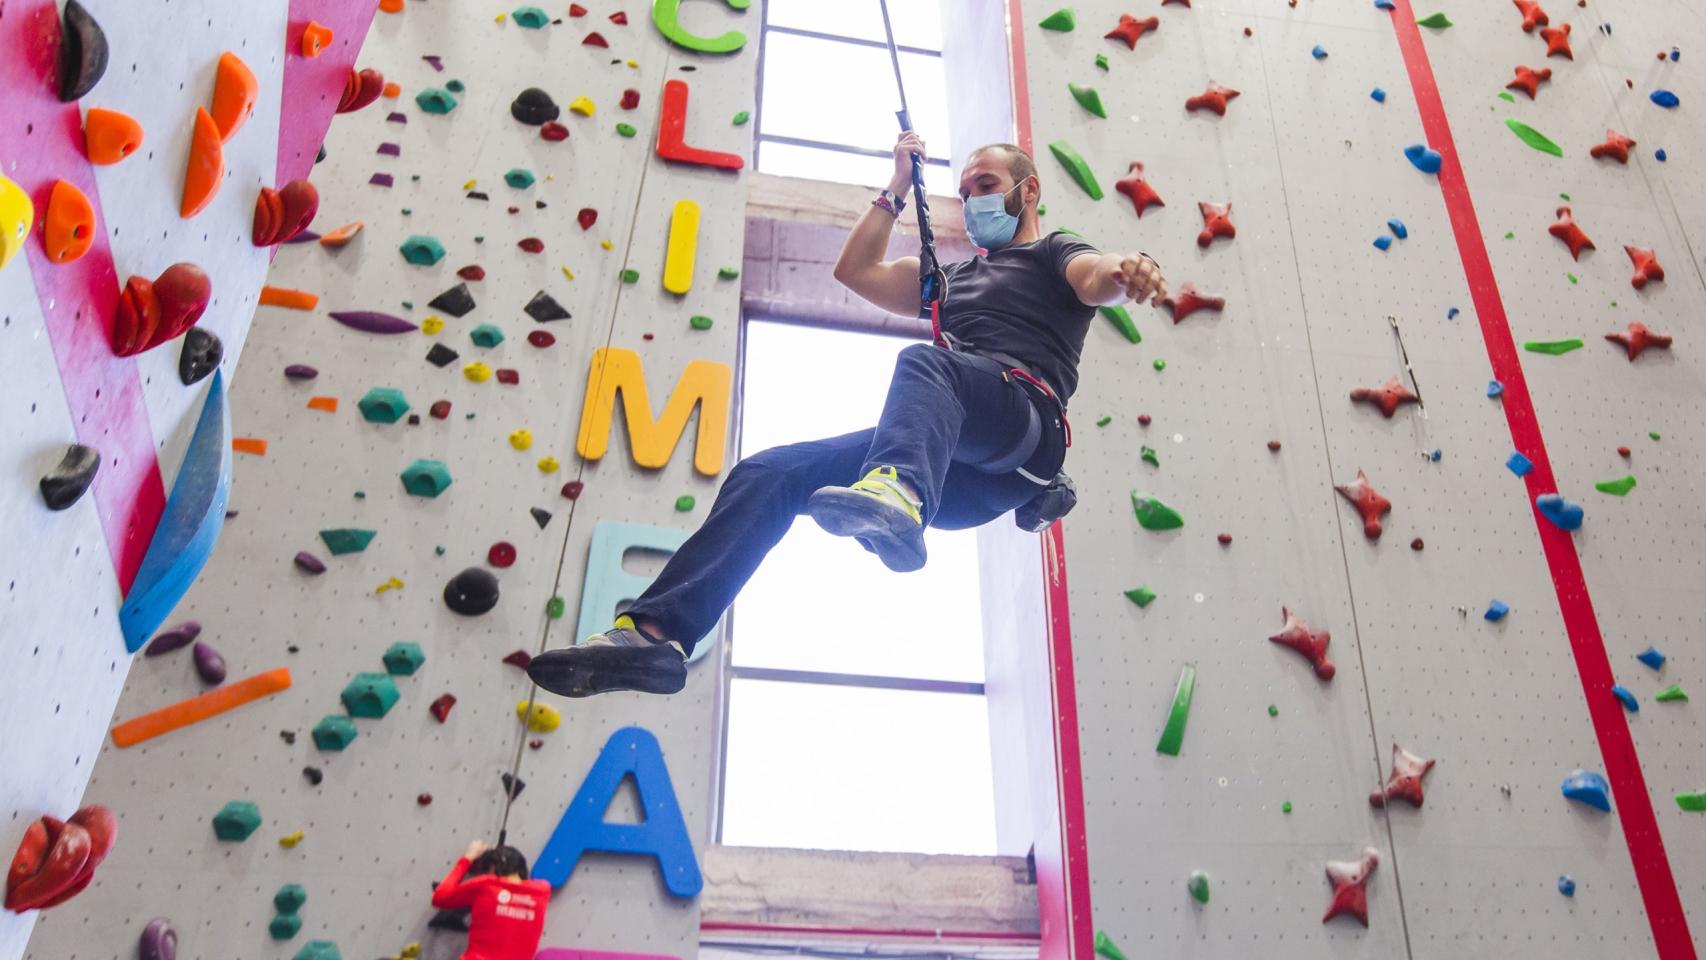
(507, 917)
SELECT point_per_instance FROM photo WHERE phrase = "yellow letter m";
(705, 384)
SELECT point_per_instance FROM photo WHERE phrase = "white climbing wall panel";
(1313, 168)
(370, 850)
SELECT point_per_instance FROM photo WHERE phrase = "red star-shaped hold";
(1532, 15)
(1214, 98)
(1350, 885)
(1616, 146)
(1406, 779)
(1367, 501)
(1189, 300)
(1558, 42)
(1638, 338)
(1138, 189)
(1389, 396)
(1131, 28)
(1312, 644)
(1216, 222)
(1528, 80)
(1567, 230)
(1646, 266)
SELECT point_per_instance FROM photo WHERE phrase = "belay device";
(1058, 496)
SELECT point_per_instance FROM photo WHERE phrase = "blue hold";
(1382, 242)
(1398, 229)
(1382, 4)
(1318, 53)
(1664, 98)
(1626, 698)
(1659, 155)
(1378, 94)
(1586, 786)
(1563, 514)
(1496, 611)
(1495, 388)
(1452, 313)
(1651, 657)
(1435, 455)
(1426, 158)
(1566, 885)
(1519, 464)
(1675, 54)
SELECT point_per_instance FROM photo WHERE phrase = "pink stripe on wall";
(41, 141)
(312, 86)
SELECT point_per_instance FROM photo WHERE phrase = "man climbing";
(967, 433)
(507, 910)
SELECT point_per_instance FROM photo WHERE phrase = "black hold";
(230, 514)
(200, 355)
(288, 736)
(472, 592)
(545, 308)
(450, 920)
(301, 371)
(414, 419)
(534, 107)
(441, 355)
(314, 775)
(538, 204)
(321, 156)
(540, 516)
(514, 785)
(688, 68)
(82, 52)
(478, 195)
(293, 648)
(70, 480)
(456, 301)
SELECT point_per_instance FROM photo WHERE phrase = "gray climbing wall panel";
(370, 851)
(1313, 168)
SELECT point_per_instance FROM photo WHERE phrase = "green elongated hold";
(1089, 99)
(1654, 434)
(1438, 21)
(1104, 421)
(1122, 322)
(1149, 457)
(1554, 347)
(1692, 802)
(1076, 168)
(684, 503)
(1142, 596)
(1507, 96)
(630, 276)
(1616, 488)
(1533, 137)
(666, 16)
(554, 608)
(741, 118)
(1102, 60)
(1063, 20)
(1152, 514)
(1571, 276)
(1671, 694)
(1173, 735)
(1198, 886)
(1106, 949)
(727, 273)
(699, 322)
(626, 129)
(1285, 807)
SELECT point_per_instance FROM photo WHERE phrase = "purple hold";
(381, 179)
(209, 664)
(301, 371)
(159, 941)
(436, 61)
(390, 150)
(371, 322)
(179, 636)
(310, 563)
(306, 236)
(397, 118)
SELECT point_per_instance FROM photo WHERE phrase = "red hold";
(1131, 28)
(56, 860)
(1216, 222)
(1368, 502)
(502, 554)
(672, 133)
(1214, 98)
(1350, 886)
(1133, 185)
(1312, 644)
(1616, 146)
(424, 799)
(1532, 15)
(1558, 42)
(595, 39)
(472, 271)
(1528, 80)
(630, 99)
(1646, 266)
(509, 375)
(1638, 338)
(1570, 233)
(1389, 396)
(620, 18)
(152, 312)
(520, 658)
(553, 131)
(587, 217)
(1405, 783)
(441, 707)
(282, 214)
(440, 410)
(1189, 300)
(360, 89)
(573, 489)
(576, 10)
(532, 244)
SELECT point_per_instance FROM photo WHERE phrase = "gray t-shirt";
(1016, 301)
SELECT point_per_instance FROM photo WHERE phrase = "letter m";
(705, 384)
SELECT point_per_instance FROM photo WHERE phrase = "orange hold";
(341, 235)
(391, 91)
(196, 709)
(69, 227)
(315, 39)
(328, 404)
(110, 136)
(391, 6)
(254, 445)
(288, 298)
(206, 168)
(234, 92)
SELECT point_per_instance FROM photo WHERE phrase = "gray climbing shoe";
(621, 658)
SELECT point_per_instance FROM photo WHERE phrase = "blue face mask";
(988, 223)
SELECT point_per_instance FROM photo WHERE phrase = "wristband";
(895, 201)
(884, 203)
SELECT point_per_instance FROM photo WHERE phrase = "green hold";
(741, 118)
(530, 17)
(1617, 488)
(435, 100)
(626, 129)
(1507, 97)
(684, 504)
(1149, 457)
(1671, 694)
(1653, 435)
(403, 658)
(319, 950)
(236, 820)
(1104, 421)
(1160, 364)
(1553, 347)
(519, 177)
(486, 335)
(1438, 21)
(1510, 234)
(1088, 98)
(361, 494)
(383, 405)
(727, 273)
(455, 86)
(1571, 277)
(1692, 802)
(1106, 949)
(1285, 807)
(426, 478)
(1152, 514)
(1042, 210)
(1102, 60)
(1173, 735)
(1142, 596)
(1122, 322)
(1564, 197)
(700, 322)
(369, 695)
(1063, 20)
(422, 250)
(284, 926)
(554, 608)
(347, 540)
(1198, 886)
(630, 276)
(333, 732)
(1273, 711)
(1076, 168)
(289, 898)
(439, 550)
(1533, 137)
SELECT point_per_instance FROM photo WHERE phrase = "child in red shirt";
(508, 910)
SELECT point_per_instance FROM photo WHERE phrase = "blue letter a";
(663, 834)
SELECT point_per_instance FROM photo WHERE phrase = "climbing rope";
(931, 279)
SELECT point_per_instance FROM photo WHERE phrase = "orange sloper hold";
(234, 94)
(69, 227)
(315, 38)
(254, 445)
(288, 298)
(391, 6)
(1616, 146)
(206, 169)
(327, 404)
(110, 136)
(1571, 233)
(341, 235)
(391, 91)
(196, 709)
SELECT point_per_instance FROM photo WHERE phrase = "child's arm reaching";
(451, 893)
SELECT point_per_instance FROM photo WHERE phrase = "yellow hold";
(548, 465)
(683, 245)
(478, 371)
(432, 325)
(542, 719)
(289, 841)
(582, 106)
(704, 384)
(391, 584)
(17, 215)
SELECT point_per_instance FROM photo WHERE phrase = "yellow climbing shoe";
(877, 512)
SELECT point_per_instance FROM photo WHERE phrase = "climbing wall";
(1242, 421)
(515, 214)
(65, 573)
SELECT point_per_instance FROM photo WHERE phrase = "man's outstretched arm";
(893, 284)
(1105, 279)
